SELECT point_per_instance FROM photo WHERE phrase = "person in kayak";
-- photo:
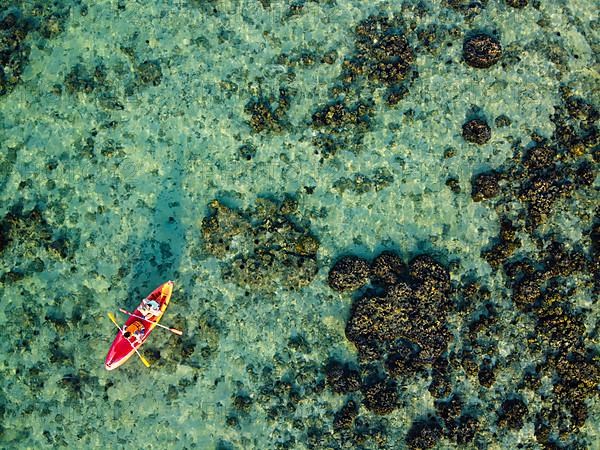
(136, 329)
(149, 308)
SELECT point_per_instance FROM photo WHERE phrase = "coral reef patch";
(261, 248)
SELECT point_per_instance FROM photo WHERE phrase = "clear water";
(125, 171)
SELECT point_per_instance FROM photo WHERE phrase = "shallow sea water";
(125, 170)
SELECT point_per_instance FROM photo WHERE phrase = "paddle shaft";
(112, 318)
(172, 330)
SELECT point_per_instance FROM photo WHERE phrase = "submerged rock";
(512, 413)
(149, 72)
(414, 311)
(344, 418)
(267, 117)
(387, 268)
(261, 248)
(349, 274)
(382, 52)
(485, 186)
(424, 434)
(481, 51)
(14, 53)
(476, 131)
(342, 378)
(380, 396)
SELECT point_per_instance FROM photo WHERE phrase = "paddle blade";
(112, 317)
(146, 363)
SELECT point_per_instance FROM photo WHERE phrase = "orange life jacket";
(135, 326)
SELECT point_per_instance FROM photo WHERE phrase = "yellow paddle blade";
(146, 363)
(112, 317)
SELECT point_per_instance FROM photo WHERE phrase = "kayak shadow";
(161, 242)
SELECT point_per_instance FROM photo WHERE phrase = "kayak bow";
(123, 348)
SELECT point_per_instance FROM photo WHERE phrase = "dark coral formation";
(540, 193)
(101, 80)
(247, 152)
(342, 378)
(576, 129)
(482, 51)
(266, 114)
(22, 234)
(79, 80)
(424, 434)
(540, 156)
(578, 380)
(280, 388)
(405, 312)
(485, 186)
(459, 427)
(450, 409)
(382, 56)
(399, 327)
(502, 121)
(14, 53)
(392, 330)
(543, 282)
(595, 254)
(404, 360)
(149, 72)
(507, 244)
(349, 273)
(512, 412)
(560, 332)
(454, 184)
(476, 131)
(380, 396)
(341, 126)
(15, 27)
(387, 268)
(401, 323)
(468, 8)
(263, 247)
(546, 171)
(382, 53)
(517, 3)
(344, 418)
(463, 430)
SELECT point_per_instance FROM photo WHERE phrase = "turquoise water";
(122, 120)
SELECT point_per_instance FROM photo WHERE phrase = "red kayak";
(137, 329)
